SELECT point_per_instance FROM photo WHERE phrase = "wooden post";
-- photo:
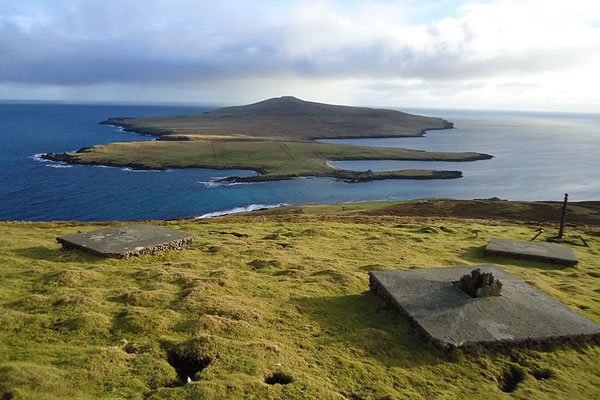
(562, 217)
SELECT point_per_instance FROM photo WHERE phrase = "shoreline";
(159, 133)
(581, 213)
(274, 152)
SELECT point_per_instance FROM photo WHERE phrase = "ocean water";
(538, 156)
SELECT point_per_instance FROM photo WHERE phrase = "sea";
(537, 156)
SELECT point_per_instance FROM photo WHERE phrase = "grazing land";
(273, 138)
(275, 304)
(287, 118)
(272, 159)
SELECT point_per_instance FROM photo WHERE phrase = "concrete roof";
(533, 250)
(124, 241)
(451, 318)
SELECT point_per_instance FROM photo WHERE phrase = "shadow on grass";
(363, 324)
(56, 255)
(476, 254)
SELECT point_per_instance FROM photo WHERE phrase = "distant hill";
(288, 118)
(273, 138)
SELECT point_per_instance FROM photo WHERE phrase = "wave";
(50, 163)
(214, 182)
(59, 165)
(210, 184)
(127, 169)
(38, 157)
(244, 183)
(218, 181)
(251, 207)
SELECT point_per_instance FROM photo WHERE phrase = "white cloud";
(480, 53)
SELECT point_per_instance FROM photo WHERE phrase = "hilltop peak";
(288, 117)
(275, 105)
(286, 98)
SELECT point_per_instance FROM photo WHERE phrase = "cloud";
(67, 43)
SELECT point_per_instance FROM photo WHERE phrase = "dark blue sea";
(538, 156)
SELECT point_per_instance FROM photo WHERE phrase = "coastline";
(52, 180)
(119, 122)
(277, 142)
(263, 176)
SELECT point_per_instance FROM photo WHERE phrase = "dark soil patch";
(511, 379)
(280, 378)
(273, 236)
(214, 249)
(187, 365)
(236, 234)
(544, 373)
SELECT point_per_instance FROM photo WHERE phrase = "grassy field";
(273, 159)
(273, 307)
(581, 214)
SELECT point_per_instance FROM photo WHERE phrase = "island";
(275, 138)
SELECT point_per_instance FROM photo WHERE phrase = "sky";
(539, 55)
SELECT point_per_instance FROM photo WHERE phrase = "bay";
(538, 156)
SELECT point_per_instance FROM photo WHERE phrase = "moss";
(32, 378)
(141, 321)
(154, 371)
(310, 316)
(146, 298)
(69, 277)
(86, 324)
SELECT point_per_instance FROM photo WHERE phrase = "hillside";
(271, 307)
(582, 213)
(273, 138)
(288, 118)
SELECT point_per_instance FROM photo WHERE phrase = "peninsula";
(275, 138)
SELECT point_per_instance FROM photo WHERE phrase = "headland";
(275, 138)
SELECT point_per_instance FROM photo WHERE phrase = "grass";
(269, 307)
(288, 118)
(273, 159)
(583, 213)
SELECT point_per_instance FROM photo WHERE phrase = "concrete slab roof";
(124, 241)
(451, 318)
(533, 250)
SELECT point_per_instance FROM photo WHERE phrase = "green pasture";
(273, 307)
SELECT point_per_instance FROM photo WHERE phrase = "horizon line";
(221, 104)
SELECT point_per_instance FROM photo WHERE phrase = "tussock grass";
(253, 314)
